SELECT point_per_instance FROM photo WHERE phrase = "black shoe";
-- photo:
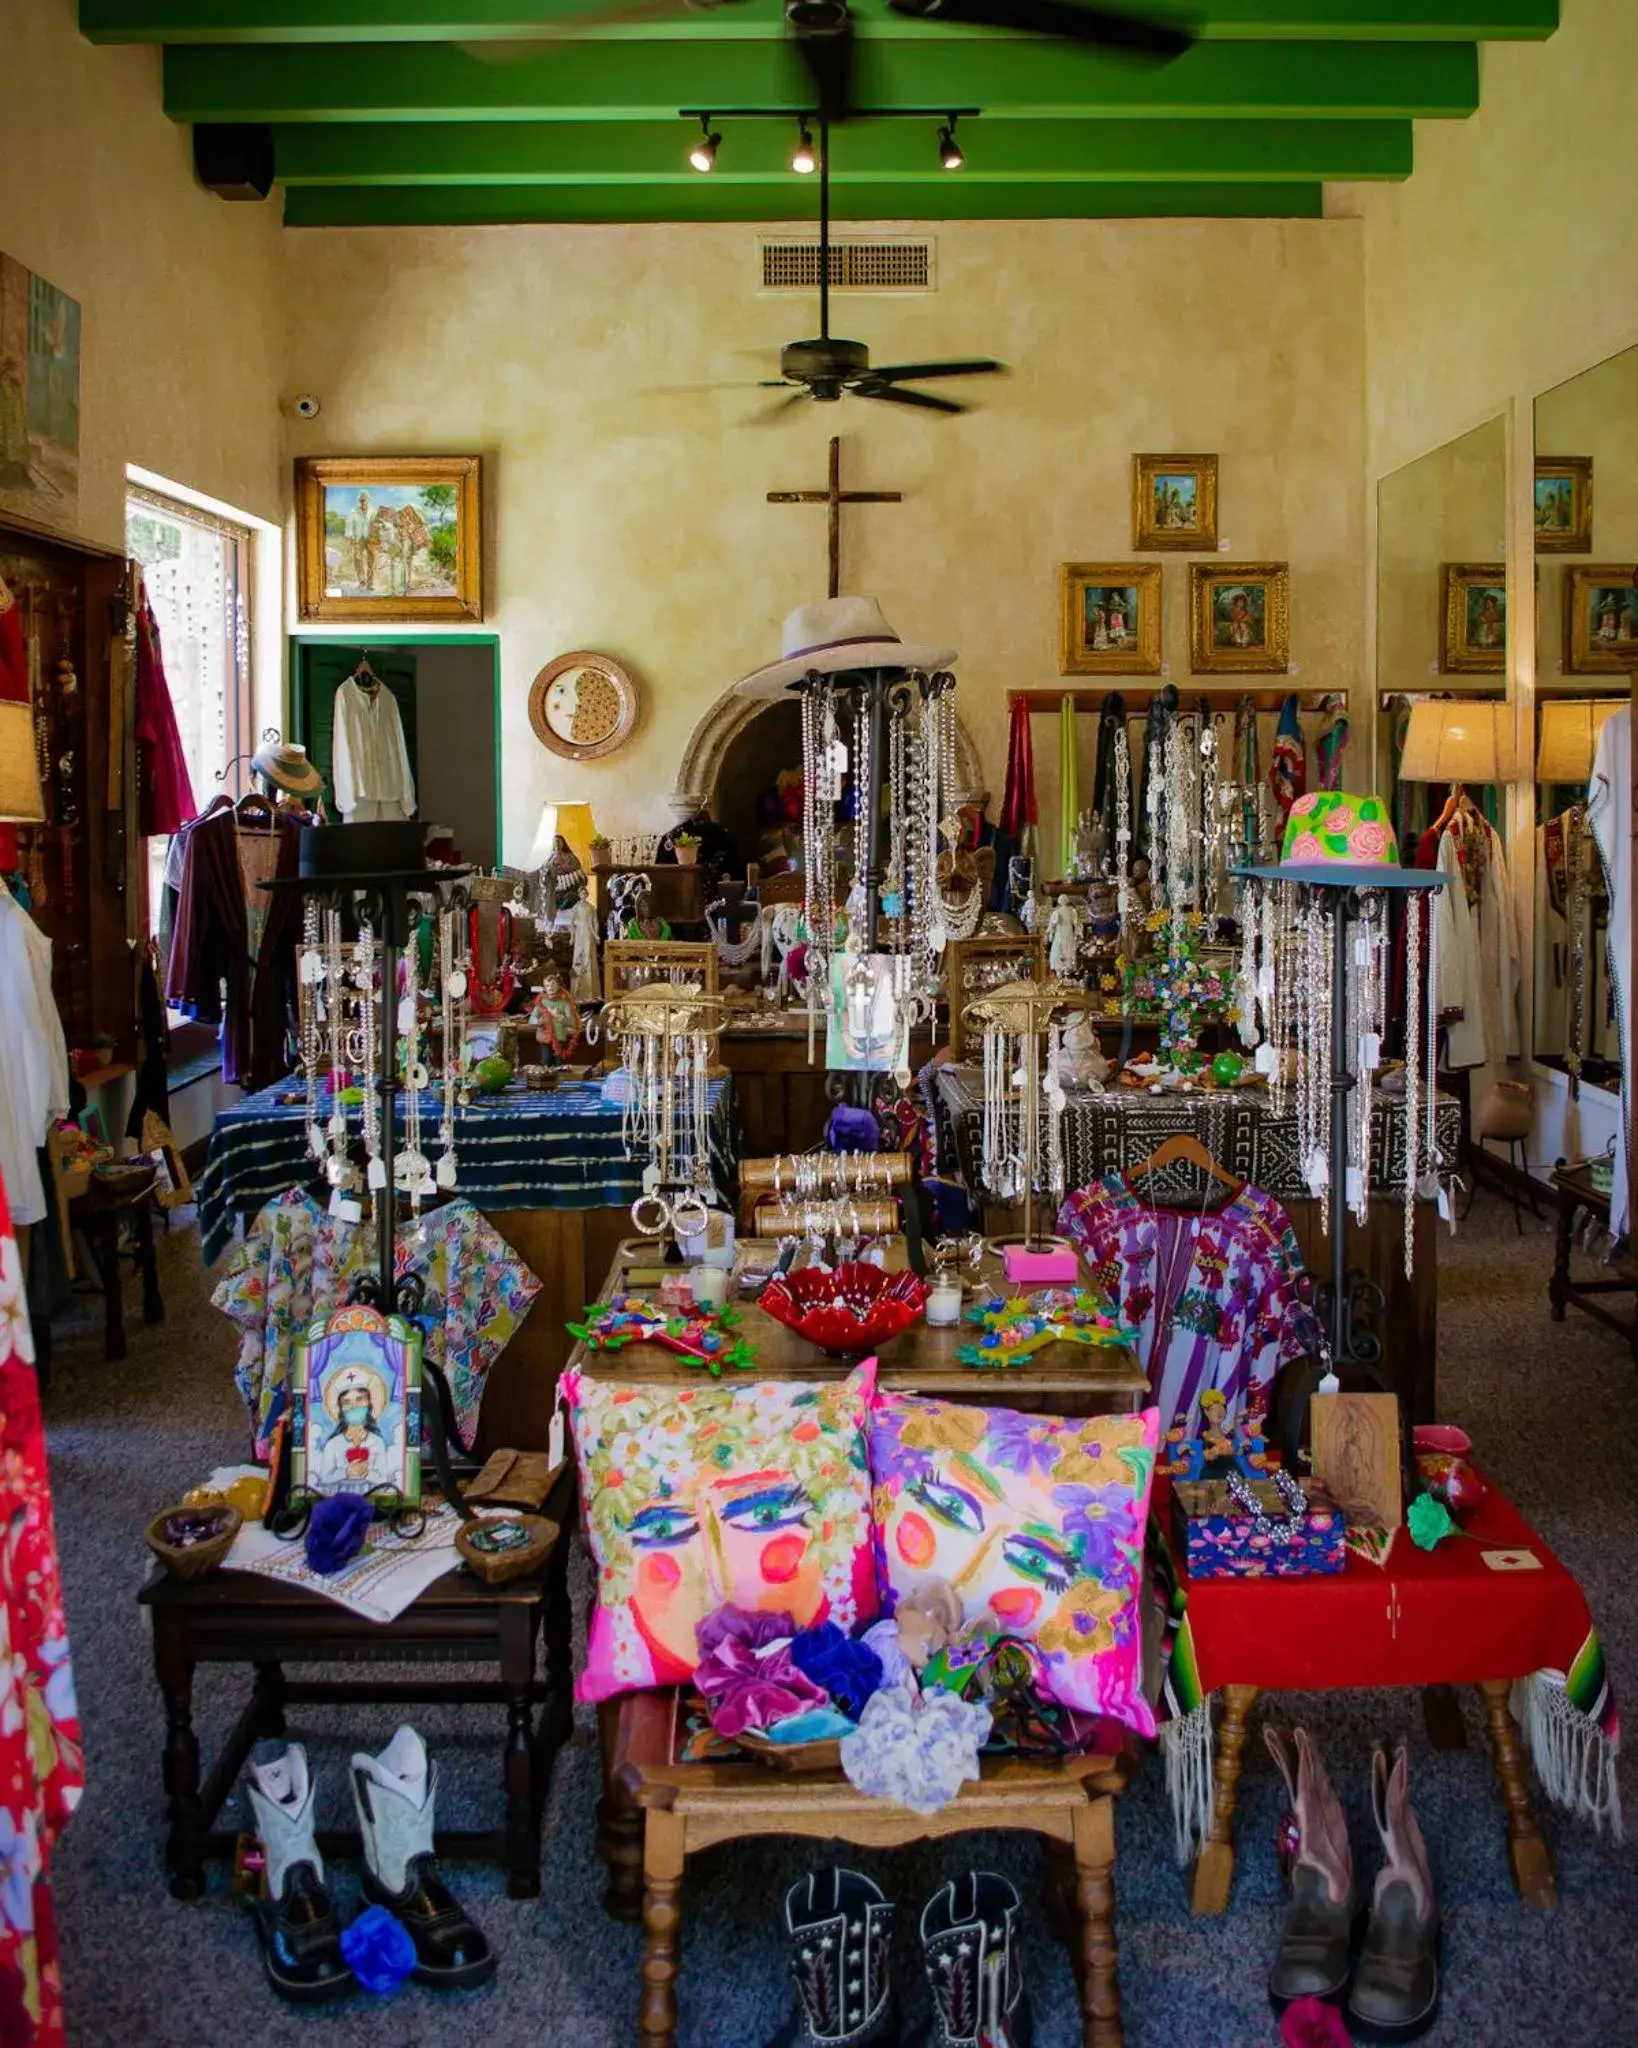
(969, 1946)
(452, 1952)
(301, 1942)
(838, 1923)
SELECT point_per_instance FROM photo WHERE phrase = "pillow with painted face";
(1036, 1521)
(695, 1497)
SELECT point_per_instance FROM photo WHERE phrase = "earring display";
(666, 1033)
(1015, 1021)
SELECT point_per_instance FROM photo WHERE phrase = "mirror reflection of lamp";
(21, 802)
(1460, 741)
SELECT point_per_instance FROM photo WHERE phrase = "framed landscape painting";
(1109, 619)
(1475, 635)
(1239, 618)
(1174, 502)
(1601, 620)
(39, 398)
(389, 538)
(1563, 508)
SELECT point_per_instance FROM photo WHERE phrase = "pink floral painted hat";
(1346, 841)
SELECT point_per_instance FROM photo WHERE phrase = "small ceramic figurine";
(584, 983)
(554, 1020)
(1063, 938)
(647, 923)
(565, 882)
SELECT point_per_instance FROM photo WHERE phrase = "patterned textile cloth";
(564, 1150)
(42, 1770)
(1109, 1130)
(1215, 1294)
(297, 1262)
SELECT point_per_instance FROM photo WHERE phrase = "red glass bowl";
(851, 1309)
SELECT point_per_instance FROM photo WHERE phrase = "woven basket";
(191, 1561)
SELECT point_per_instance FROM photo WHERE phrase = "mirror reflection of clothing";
(1609, 812)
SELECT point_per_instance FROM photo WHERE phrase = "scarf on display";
(165, 794)
(1019, 817)
(1332, 744)
(1288, 771)
(1069, 786)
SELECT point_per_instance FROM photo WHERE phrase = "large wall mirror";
(1586, 532)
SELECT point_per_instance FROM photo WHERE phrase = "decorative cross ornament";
(835, 497)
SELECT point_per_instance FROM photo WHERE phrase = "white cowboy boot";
(297, 1924)
(396, 1796)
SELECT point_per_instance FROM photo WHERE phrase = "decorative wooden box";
(1216, 1539)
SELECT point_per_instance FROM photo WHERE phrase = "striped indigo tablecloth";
(562, 1150)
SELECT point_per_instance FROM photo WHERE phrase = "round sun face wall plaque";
(583, 705)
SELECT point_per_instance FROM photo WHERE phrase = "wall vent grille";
(854, 266)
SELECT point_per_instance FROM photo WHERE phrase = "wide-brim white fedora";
(838, 636)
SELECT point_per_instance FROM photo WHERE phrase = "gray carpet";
(1554, 1413)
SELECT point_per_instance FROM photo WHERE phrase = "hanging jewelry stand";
(1013, 1019)
(667, 1033)
(384, 904)
(1348, 1303)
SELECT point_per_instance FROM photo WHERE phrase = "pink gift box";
(1039, 1269)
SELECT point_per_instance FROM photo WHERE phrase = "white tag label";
(1225, 547)
(1445, 1210)
(554, 1440)
(1370, 1052)
(406, 1013)
(1355, 1183)
(345, 1208)
(376, 1174)
(1264, 1059)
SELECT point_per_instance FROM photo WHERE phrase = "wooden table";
(1576, 1192)
(231, 1617)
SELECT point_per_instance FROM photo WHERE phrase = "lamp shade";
(1569, 737)
(20, 800)
(574, 821)
(1459, 742)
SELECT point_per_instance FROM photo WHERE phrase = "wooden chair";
(678, 1809)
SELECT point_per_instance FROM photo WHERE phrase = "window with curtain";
(196, 567)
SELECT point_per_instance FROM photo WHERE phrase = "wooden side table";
(109, 1201)
(231, 1617)
(1576, 1193)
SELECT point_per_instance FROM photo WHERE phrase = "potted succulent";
(602, 851)
(687, 845)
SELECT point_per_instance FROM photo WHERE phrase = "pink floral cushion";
(695, 1497)
(1037, 1521)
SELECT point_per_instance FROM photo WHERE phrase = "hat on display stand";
(838, 636)
(287, 766)
(1342, 841)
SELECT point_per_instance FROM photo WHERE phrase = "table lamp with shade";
(1460, 741)
(574, 820)
(1569, 738)
(21, 802)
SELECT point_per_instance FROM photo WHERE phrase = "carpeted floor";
(1554, 1414)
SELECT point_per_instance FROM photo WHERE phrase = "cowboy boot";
(297, 1924)
(839, 1923)
(1395, 1991)
(396, 1795)
(969, 1948)
(1317, 1939)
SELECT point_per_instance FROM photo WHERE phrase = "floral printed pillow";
(700, 1496)
(1037, 1521)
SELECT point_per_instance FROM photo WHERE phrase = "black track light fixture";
(703, 156)
(803, 159)
(949, 150)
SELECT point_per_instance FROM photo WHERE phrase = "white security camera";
(307, 406)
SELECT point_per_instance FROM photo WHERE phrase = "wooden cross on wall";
(835, 497)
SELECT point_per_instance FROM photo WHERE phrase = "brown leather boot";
(1316, 1945)
(1395, 1994)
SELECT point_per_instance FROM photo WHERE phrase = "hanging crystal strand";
(1153, 793)
(310, 976)
(1413, 1072)
(448, 990)
(1054, 1114)
(1123, 831)
(1430, 1035)
(1209, 824)
(1322, 976)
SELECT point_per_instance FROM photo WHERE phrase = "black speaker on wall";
(234, 159)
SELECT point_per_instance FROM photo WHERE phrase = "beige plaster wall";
(181, 314)
(631, 517)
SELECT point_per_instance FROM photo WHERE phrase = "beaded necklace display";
(735, 952)
(451, 991)
(368, 1037)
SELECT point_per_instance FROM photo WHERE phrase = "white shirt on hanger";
(1479, 967)
(370, 762)
(34, 1069)
(1609, 812)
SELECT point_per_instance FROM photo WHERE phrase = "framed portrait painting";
(1109, 619)
(355, 1408)
(389, 538)
(1563, 505)
(1475, 635)
(1174, 502)
(1601, 620)
(1239, 618)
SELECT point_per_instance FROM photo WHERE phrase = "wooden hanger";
(363, 672)
(1183, 1145)
(253, 805)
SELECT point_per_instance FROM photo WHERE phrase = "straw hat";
(286, 766)
(838, 636)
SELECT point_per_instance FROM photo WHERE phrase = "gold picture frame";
(1239, 618)
(1174, 503)
(1474, 640)
(389, 537)
(1562, 511)
(1601, 620)
(1109, 618)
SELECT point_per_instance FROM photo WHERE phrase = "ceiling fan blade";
(770, 415)
(1108, 28)
(892, 395)
(899, 373)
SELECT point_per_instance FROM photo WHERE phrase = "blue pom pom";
(378, 1950)
(849, 1671)
(336, 1530)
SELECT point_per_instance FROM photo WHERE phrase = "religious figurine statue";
(565, 883)
(854, 909)
(554, 1020)
(1063, 934)
(585, 983)
(646, 922)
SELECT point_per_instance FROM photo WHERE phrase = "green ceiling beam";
(757, 152)
(1023, 78)
(712, 199)
(454, 21)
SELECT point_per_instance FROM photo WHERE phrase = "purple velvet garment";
(746, 1683)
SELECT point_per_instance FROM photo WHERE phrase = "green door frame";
(293, 704)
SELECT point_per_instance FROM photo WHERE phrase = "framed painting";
(1109, 619)
(1601, 620)
(1174, 502)
(389, 538)
(1475, 634)
(355, 1408)
(1563, 505)
(1239, 618)
(39, 398)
